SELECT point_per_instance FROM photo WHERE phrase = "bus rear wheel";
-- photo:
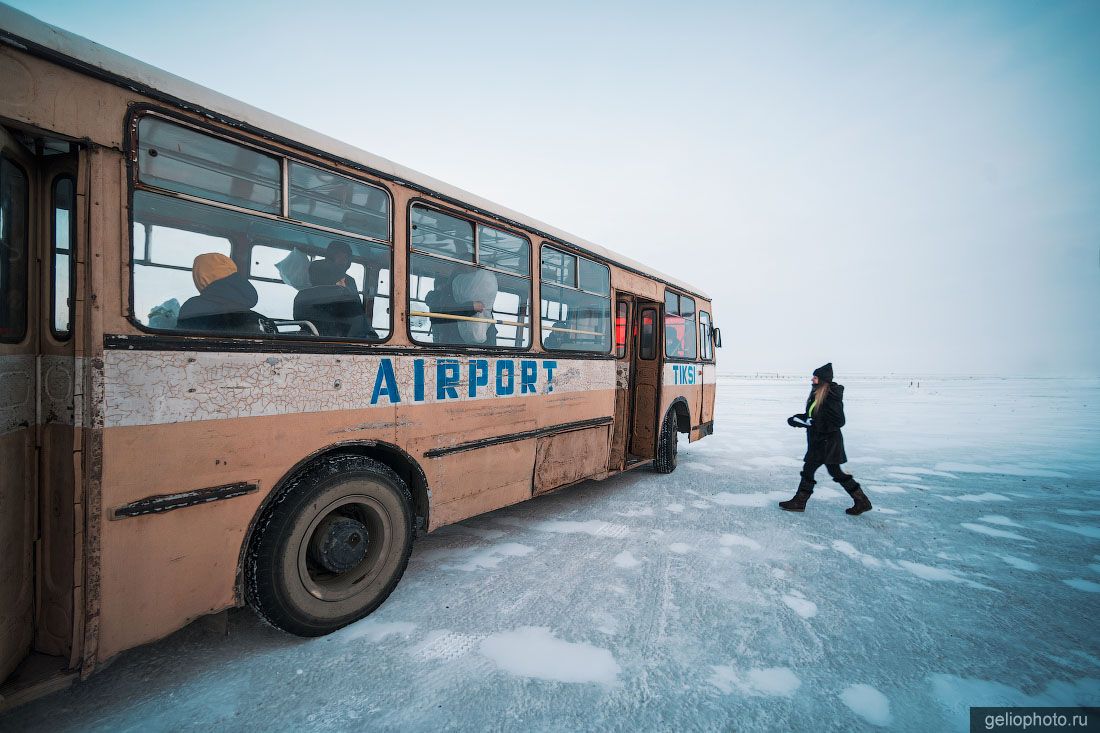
(331, 547)
(666, 445)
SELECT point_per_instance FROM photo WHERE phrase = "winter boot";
(797, 503)
(862, 503)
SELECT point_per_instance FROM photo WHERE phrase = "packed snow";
(690, 602)
(868, 703)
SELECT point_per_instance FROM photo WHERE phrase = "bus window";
(319, 197)
(575, 303)
(13, 252)
(186, 161)
(62, 228)
(622, 313)
(170, 234)
(468, 286)
(705, 335)
(680, 340)
(647, 348)
(434, 232)
(503, 251)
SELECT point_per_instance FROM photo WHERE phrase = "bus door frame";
(57, 610)
(624, 383)
(645, 381)
(19, 477)
(48, 644)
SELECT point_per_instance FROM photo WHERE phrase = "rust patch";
(566, 458)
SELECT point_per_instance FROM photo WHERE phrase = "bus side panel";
(629, 282)
(469, 480)
(468, 473)
(680, 380)
(179, 422)
(710, 389)
(161, 570)
(567, 458)
(479, 481)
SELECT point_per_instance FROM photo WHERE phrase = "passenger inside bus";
(475, 291)
(556, 339)
(225, 300)
(470, 294)
(339, 253)
(329, 305)
(441, 300)
(673, 345)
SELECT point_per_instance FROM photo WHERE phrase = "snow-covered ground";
(689, 601)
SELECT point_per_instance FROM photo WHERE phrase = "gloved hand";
(799, 421)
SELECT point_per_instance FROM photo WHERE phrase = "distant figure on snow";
(823, 419)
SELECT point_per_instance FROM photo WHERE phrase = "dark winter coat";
(225, 305)
(824, 441)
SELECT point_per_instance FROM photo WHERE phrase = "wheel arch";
(682, 410)
(403, 464)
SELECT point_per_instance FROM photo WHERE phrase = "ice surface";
(1083, 530)
(770, 461)
(939, 574)
(982, 529)
(1005, 469)
(373, 630)
(626, 560)
(773, 681)
(731, 540)
(593, 527)
(801, 606)
(535, 652)
(998, 519)
(868, 703)
(480, 558)
(724, 498)
(913, 471)
(1019, 563)
(986, 497)
(572, 612)
(955, 695)
(886, 488)
(845, 548)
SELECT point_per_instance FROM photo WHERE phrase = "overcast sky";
(895, 188)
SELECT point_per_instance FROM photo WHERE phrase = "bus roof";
(34, 36)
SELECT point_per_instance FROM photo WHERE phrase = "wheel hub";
(338, 544)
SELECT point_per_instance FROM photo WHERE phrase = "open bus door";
(18, 387)
(39, 381)
(646, 380)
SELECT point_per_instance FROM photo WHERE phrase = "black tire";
(666, 445)
(331, 546)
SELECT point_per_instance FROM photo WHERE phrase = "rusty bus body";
(136, 462)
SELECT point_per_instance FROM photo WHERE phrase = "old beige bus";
(244, 363)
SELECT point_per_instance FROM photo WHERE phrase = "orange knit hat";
(210, 267)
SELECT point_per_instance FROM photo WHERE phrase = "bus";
(242, 363)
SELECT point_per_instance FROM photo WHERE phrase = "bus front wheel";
(666, 445)
(331, 546)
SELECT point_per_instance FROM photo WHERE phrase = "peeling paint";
(157, 387)
(57, 399)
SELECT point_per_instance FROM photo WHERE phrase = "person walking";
(823, 419)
